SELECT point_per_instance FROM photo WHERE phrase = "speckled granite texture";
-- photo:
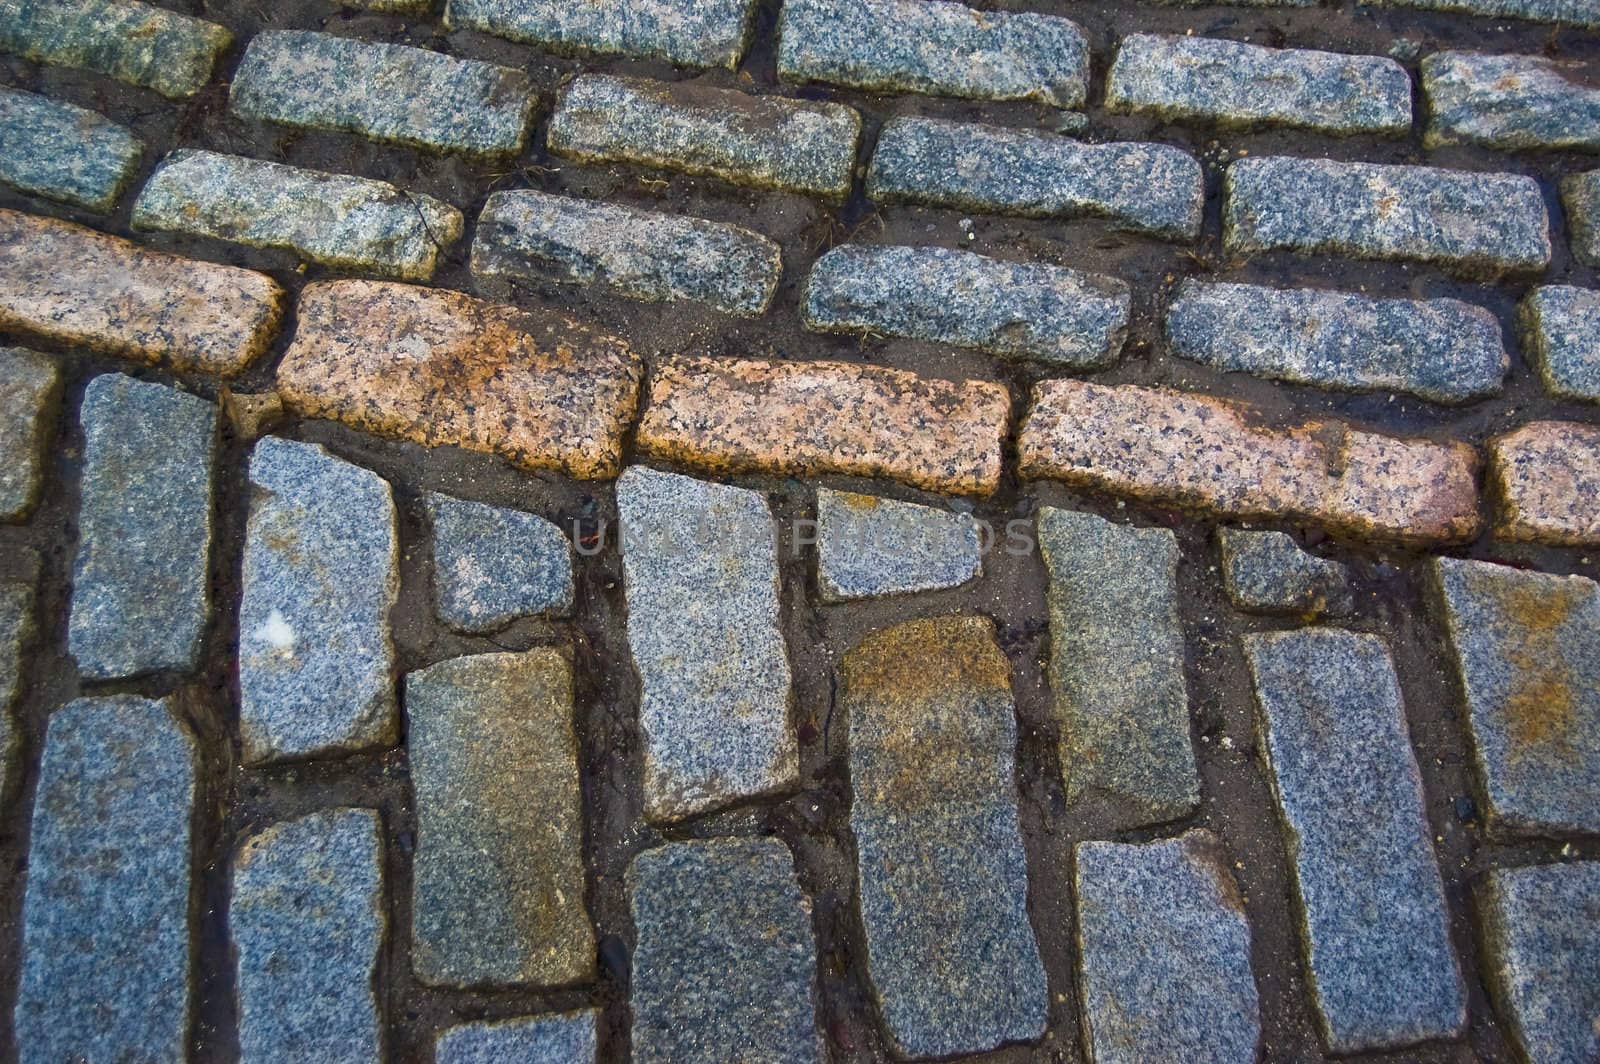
(691, 33)
(1560, 327)
(66, 153)
(137, 43)
(1580, 196)
(562, 1039)
(30, 395)
(1544, 479)
(1572, 12)
(1510, 102)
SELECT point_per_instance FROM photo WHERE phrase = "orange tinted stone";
(1545, 479)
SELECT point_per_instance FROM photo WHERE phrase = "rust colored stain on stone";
(78, 287)
(440, 368)
(1541, 709)
(1545, 478)
(808, 418)
(1213, 454)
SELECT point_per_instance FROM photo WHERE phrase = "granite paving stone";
(1268, 572)
(136, 43)
(1570, 12)
(691, 33)
(17, 630)
(391, 7)
(1476, 224)
(725, 968)
(1230, 83)
(763, 141)
(944, 880)
(1440, 349)
(385, 92)
(307, 921)
(498, 894)
(141, 580)
(79, 288)
(1019, 309)
(930, 46)
(646, 255)
(729, 415)
(1510, 102)
(937, 163)
(492, 565)
(561, 1039)
(30, 397)
(1544, 479)
(321, 572)
(1223, 457)
(1560, 327)
(105, 939)
(1526, 650)
(1116, 664)
(700, 565)
(53, 149)
(1580, 195)
(440, 368)
(869, 546)
(346, 223)
(1164, 949)
(1373, 920)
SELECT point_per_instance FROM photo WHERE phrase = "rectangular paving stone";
(1580, 196)
(79, 288)
(105, 938)
(497, 897)
(307, 921)
(1510, 102)
(763, 141)
(1220, 456)
(944, 879)
(869, 546)
(1526, 649)
(141, 580)
(385, 92)
(440, 368)
(1018, 309)
(700, 565)
(1267, 572)
(30, 396)
(725, 968)
(1234, 84)
(1374, 925)
(1479, 224)
(1560, 327)
(659, 258)
(808, 418)
(1571, 12)
(492, 565)
(962, 165)
(132, 42)
(691, 33)
(17, 631)
(53, 149)
(347, 223)
(568, 1038)
(1544, 479)
(1164, 949)
(1116, 664)
(934, 47)
(321, 572)
(1440, 349)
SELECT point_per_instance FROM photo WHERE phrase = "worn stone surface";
(1234, 84)
(105, 939)
(1220, 456)
(944, 49)
(492, 565)
(692, 33)
(1164, 949)
(385, 92)
(132, 42)
(561, 1039)
(443, 369)
(1481, 224)
(320, 575)
(141, 580)
(700, 564)
(1511, 102)
(1580, 195)
(53, 149)
(764, 141)
(1116, 663)
(1374, 924)
(1027, 310)
(1572, 12)
(1526, 649)
(30, 396)
(806, 418)
(1539, 925)
(17, 630)
(80, 288)
(498, 895)
(869, 546)
(1544, 479)
(347, 223)
(307, 921)
(1441, 349)
(660, 258)
(944, 880)
(724, 968)
(1560, 327)
(936, 163)
(1267, 572)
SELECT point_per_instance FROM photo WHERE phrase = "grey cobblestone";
(492, 565)
(563, 1039)
(869, 546)
(1572, 12)
(66, 153)
(17, 630)
(30, 394)
(1267, 572)
(1580, 195)
(1560, 328)
(1512, 102)
(130, 41)
(692, 33)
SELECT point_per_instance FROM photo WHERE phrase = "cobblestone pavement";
(778, 530)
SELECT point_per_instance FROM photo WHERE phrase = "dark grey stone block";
(692, 33)
(1267, 572)
(1510, 102)
(30, 395)
(1571, 12)
(17, 630)
(62, 152)
(136, 43)
(1560, 328)
(1580, 195)
(492, 565)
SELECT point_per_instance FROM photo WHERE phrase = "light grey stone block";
(30, 395)
(692, 33)
(137, 43)
(492, 565)
(564, 1039)
(1580, 195)
(869, 546)
(1267, 572)
(1560, 328)
(1511, 102)
(1571, 12)
(53, 149)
